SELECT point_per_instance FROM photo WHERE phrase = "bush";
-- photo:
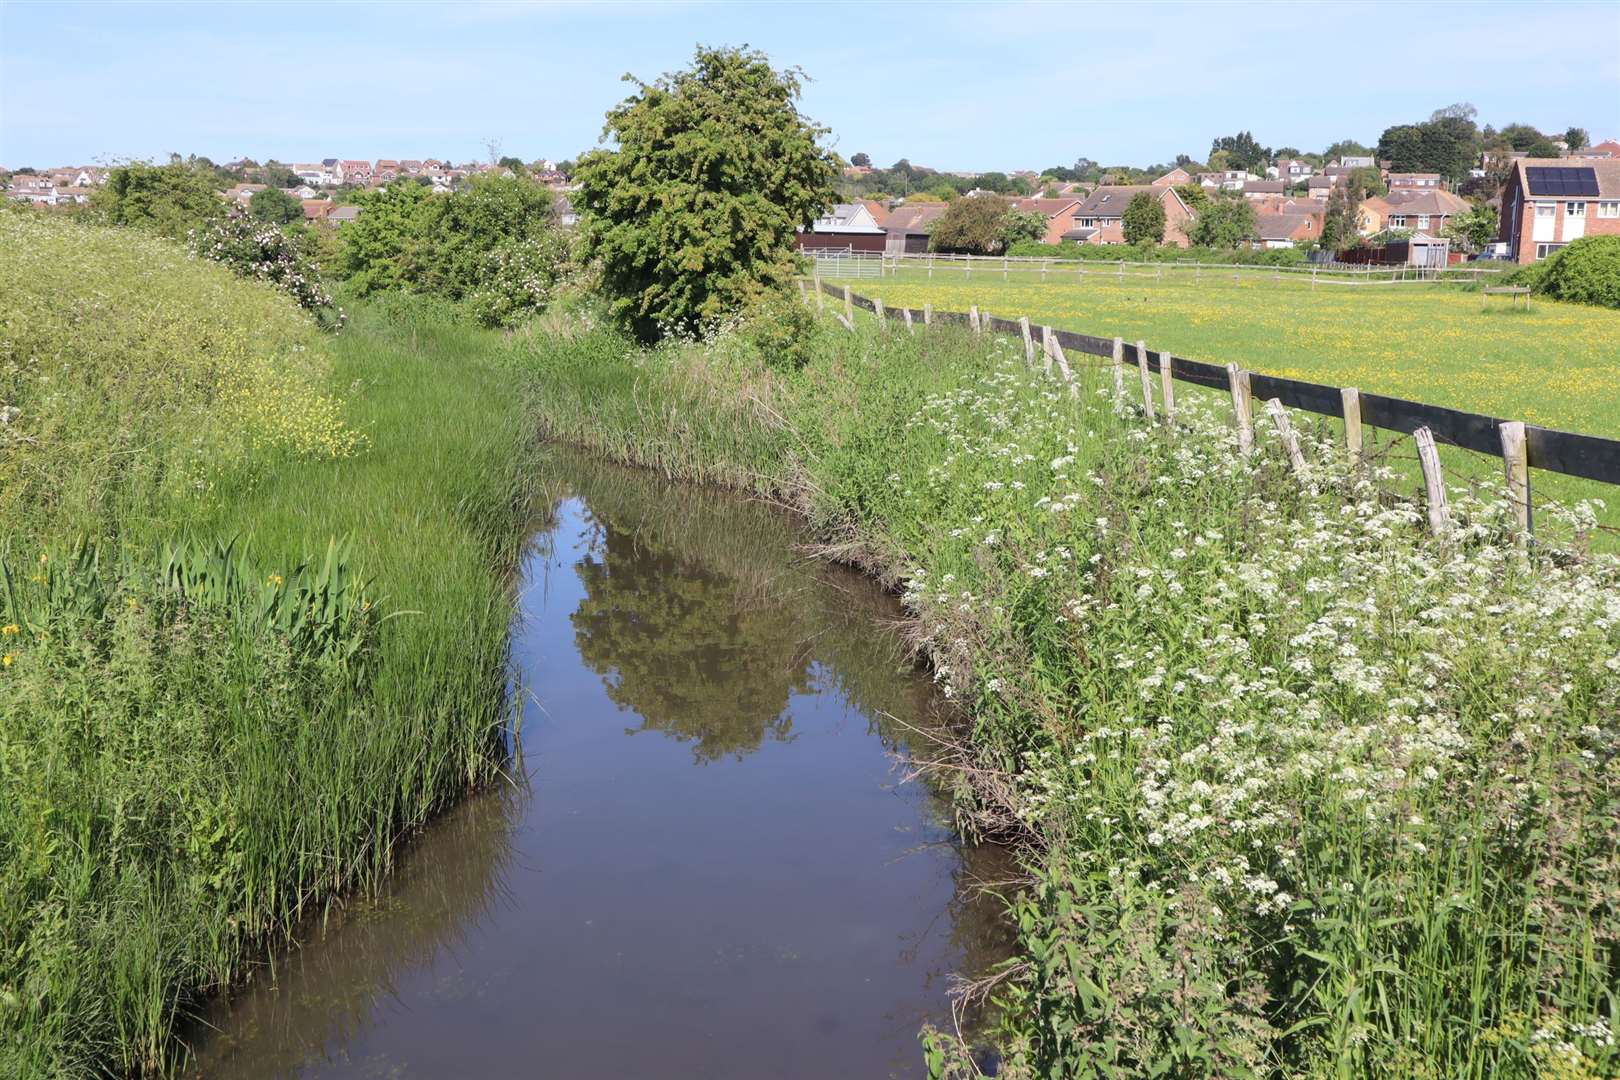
(782, 329)
(260, 250)
(1585, 272)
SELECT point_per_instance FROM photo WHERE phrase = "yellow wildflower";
(10, 628)
(6, 660)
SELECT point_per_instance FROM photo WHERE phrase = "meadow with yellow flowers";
(254, 599)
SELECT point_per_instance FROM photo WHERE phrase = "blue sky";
(954, 86)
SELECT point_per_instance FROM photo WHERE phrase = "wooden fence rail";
(1519, 445)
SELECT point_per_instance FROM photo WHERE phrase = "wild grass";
(1305, 791)
(198, 751)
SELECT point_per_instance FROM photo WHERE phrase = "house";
(563, 210)
(1356, 161)
(1609, 148)
(1286, 230)
(1230, 180)
(1547, 202)
(386, 169)
(908, 227)
(353, 172)
(242, 194)
(1255, 190)
(1293, 170)
(302, 191)
(1422, 181)
(1175, 176)
(410, 167)
(316, 209)
(1418, 211)
(1100, 219)
(846, 227)
(1320, 187)
(1059, 215)
(342, 215)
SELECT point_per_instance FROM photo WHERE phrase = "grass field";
(1555, 365)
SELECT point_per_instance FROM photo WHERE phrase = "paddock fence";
(1518, 445)
(1025, 267)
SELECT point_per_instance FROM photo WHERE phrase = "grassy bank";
(1303, 791)
(254, 614)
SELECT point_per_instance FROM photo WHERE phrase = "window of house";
(1398, 221)
(1544, 250)
(1423, 221)
(1545, 209)
(1575, 209)
(1609, 209)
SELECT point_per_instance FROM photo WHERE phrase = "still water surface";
(713, 868)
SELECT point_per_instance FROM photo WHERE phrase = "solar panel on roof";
(1553, 180)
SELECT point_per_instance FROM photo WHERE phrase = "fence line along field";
(1554, 365)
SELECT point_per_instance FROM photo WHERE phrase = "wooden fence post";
(1029, 342)
(1056, 353)
(820, 303)
(1434, 481)
(1516, 459)
(1285, 432)
(877, 309)
(1046, 349)
(1142, 366)
(973, 318)
(1119, 369)
(1167, 387)
(849, 307)
(1351, 398)
(906, 312)
(928, 314)
(848, 325)
(804, 293)
(1237, 381)
(1004, 268)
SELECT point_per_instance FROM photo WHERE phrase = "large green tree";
(1227, 221)
(1241, 150)
(974, 226)
(1144, 220)
(692, 214)
(168, 199)
(1474, 229)
(276, 206)
(379, 248)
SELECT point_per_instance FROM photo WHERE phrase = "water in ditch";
(712, 866)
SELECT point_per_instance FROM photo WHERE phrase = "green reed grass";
(184, 780)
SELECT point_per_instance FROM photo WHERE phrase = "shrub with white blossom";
(260, 250)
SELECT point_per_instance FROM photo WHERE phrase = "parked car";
(1494, 252)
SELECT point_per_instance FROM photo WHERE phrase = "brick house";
(1256, 190)
(353, 172)
(385, 169)
(1417, 211)
(1175, 176)
(1100, 219)
(1547, 202)
(1059, 215)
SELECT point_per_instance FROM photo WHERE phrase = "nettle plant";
(260, 250)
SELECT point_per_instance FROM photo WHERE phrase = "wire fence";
(1518, 445)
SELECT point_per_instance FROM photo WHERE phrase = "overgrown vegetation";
(1586, 271)
(1305, 792)
(253, 617)
(495, 246)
